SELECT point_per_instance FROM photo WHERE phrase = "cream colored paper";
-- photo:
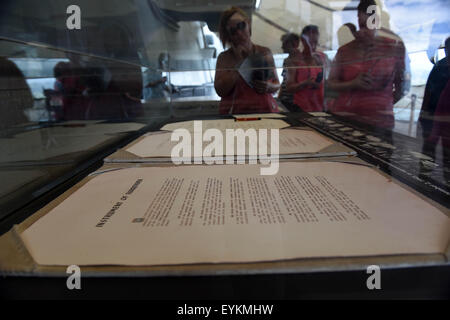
(292, 141)
(199, 214)
(260, 115)
(224, 124)
(319, 114)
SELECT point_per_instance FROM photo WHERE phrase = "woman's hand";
(226, 74)
(310, 83)
(363, 81)
(262, 87)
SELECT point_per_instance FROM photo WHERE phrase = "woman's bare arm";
(363, 81)
(292, 85)
(226, 75)
(272, 84)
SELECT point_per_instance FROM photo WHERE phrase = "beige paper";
(224, 124)
(260, 115)
(200, 214)
(291, 141)
(320, 114)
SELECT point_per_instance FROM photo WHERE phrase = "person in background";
(368, 75)
(114, 85)
(306, 73)
(241, 95)
(69, 87)
(15, 95)
(157, 85)
(441, 128)
(289, 44)
(437, 80)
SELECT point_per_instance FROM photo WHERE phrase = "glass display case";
(82, 82)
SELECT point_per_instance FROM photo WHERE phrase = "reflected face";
(313, 38)
(362, 20)
(287, 46)
(238, 29)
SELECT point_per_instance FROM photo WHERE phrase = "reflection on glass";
(15, 95)
(93, 89)
(58, 108)
(248, 89)
(435, 113)
(289, 45)
(65, 94)
(368, 75)
(305, 76)
(157, 83)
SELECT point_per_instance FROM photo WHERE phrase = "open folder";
(144, 216)
(297, 142)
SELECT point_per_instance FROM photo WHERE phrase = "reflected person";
(441, 128)
(115, 85)
(368, 75)
(157, 85)
(15, 95)
(254, 93)
(289, 45)
(437, 80)
(69, 87)
(306, 72)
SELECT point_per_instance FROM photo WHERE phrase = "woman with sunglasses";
(253, 95)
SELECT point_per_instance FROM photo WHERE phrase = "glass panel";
(78, 81)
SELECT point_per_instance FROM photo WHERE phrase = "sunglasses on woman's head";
(240, 26)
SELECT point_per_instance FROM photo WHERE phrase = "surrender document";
(229, 213)
(259, 115)
(292, 141)
(224, 124)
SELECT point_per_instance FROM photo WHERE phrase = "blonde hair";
(224, 18)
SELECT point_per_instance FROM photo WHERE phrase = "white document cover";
(229, 213)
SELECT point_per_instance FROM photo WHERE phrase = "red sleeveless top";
(244, 99)
(310, 100)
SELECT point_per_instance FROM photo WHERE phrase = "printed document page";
(259, 115)
(229, 213)
(291, 141)
(224, 124)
